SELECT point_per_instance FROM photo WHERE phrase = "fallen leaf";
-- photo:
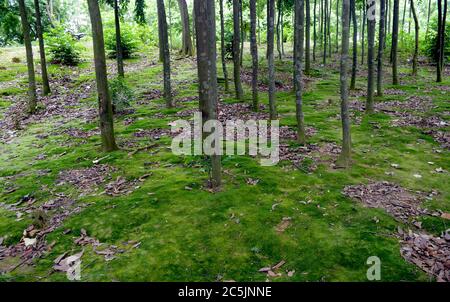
(446, 215)
(29, 241)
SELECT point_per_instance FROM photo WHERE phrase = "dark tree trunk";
(381, 33)
(308, 38)
(45, 84)
(395, 42)
(344, 158)
(207, 73)
(416, 44)
(270, 55)
(186, 48)
(222, 46)
(236, 52)
(355, 44)
(119, 53)
(370, 55)
(30, 65)
(241, 20)
(166, 52)
(254, 51)
(442, 19)
(104, 98)
(298, 58)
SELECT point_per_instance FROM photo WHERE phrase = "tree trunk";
(298, 58)
(166, 53)
(344, 157)
(355, 44)
(186, 48)
(314, 30)
(254, 51)
(30, 65)
(329, 31)
(325, 32)
(241, 20)
(104, 98)
(381, 33)
(416, 44)
(207, 73)
(278, 29)
(308, 39)
(236, 52)
(363, 32)
(270, 55)
(395, 42)
(428, 17)
(222, 46)
(170, 25)
(119, 53)
(370, 55)
(45, 84)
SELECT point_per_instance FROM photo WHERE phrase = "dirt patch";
(431, 254)
(150, 95)
(441, 137)
(121, 187)
(397, 201)
(153, 134)
(86, 180)
(78, 133)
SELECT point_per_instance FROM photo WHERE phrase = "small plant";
(62, 47)
(15, 60)
(128, 39)
(39, 218)
(121, 95)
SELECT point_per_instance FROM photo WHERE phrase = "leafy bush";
(121, 95)
(62, 47)
(431, 41)
(128, 40)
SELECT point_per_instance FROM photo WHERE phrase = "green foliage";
(121, 95)
(62, 47)
(431, 41)
(128, 40)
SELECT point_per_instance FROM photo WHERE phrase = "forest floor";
(148, 215)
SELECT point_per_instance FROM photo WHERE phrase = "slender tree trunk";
(416, 44)
(222, 46)
(104, 98)
(254, 51)
(370, 55)
(32, 99)
(337, 25)
(298, 58)
(363, 32)
(344, 158)
(403, 19)
(282, 32)
(381, 32)
(442, 21)
(236, 52)
(170, 25)
(355, 44)
(186, 48)
(409, 20)
(194, 32)
(395, 42)
(166, 52)
(119, 53)
(329, 31)
(270, 48)
(45, 84)
(308, 39)
(207, 73)
(314, 30)
(241, 18)
(278, 29)
(325, 32)
(428, 17)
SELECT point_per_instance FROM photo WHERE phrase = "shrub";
(128, 40)
(62, 47)
(431, 41)
(121, 95)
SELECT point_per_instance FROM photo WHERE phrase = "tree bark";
(45, 83)
(254, 51)
(236, 52)
(416, 44)
(325, 32)
(428, 17)
(442, 20)
(32, 99)
(344, 157)
(163, 37)
(270, 58)
(186, 48)
(278, 29)
(241, 20)
(395, 42)
(104, 98)
(381, 33)
(308, 38)
(370, 55)
(355, 44)
(337, 26)
(314, 30)
(298, 58)
(207, 73)
(363, 31)
(222, 46)
(119, 52)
